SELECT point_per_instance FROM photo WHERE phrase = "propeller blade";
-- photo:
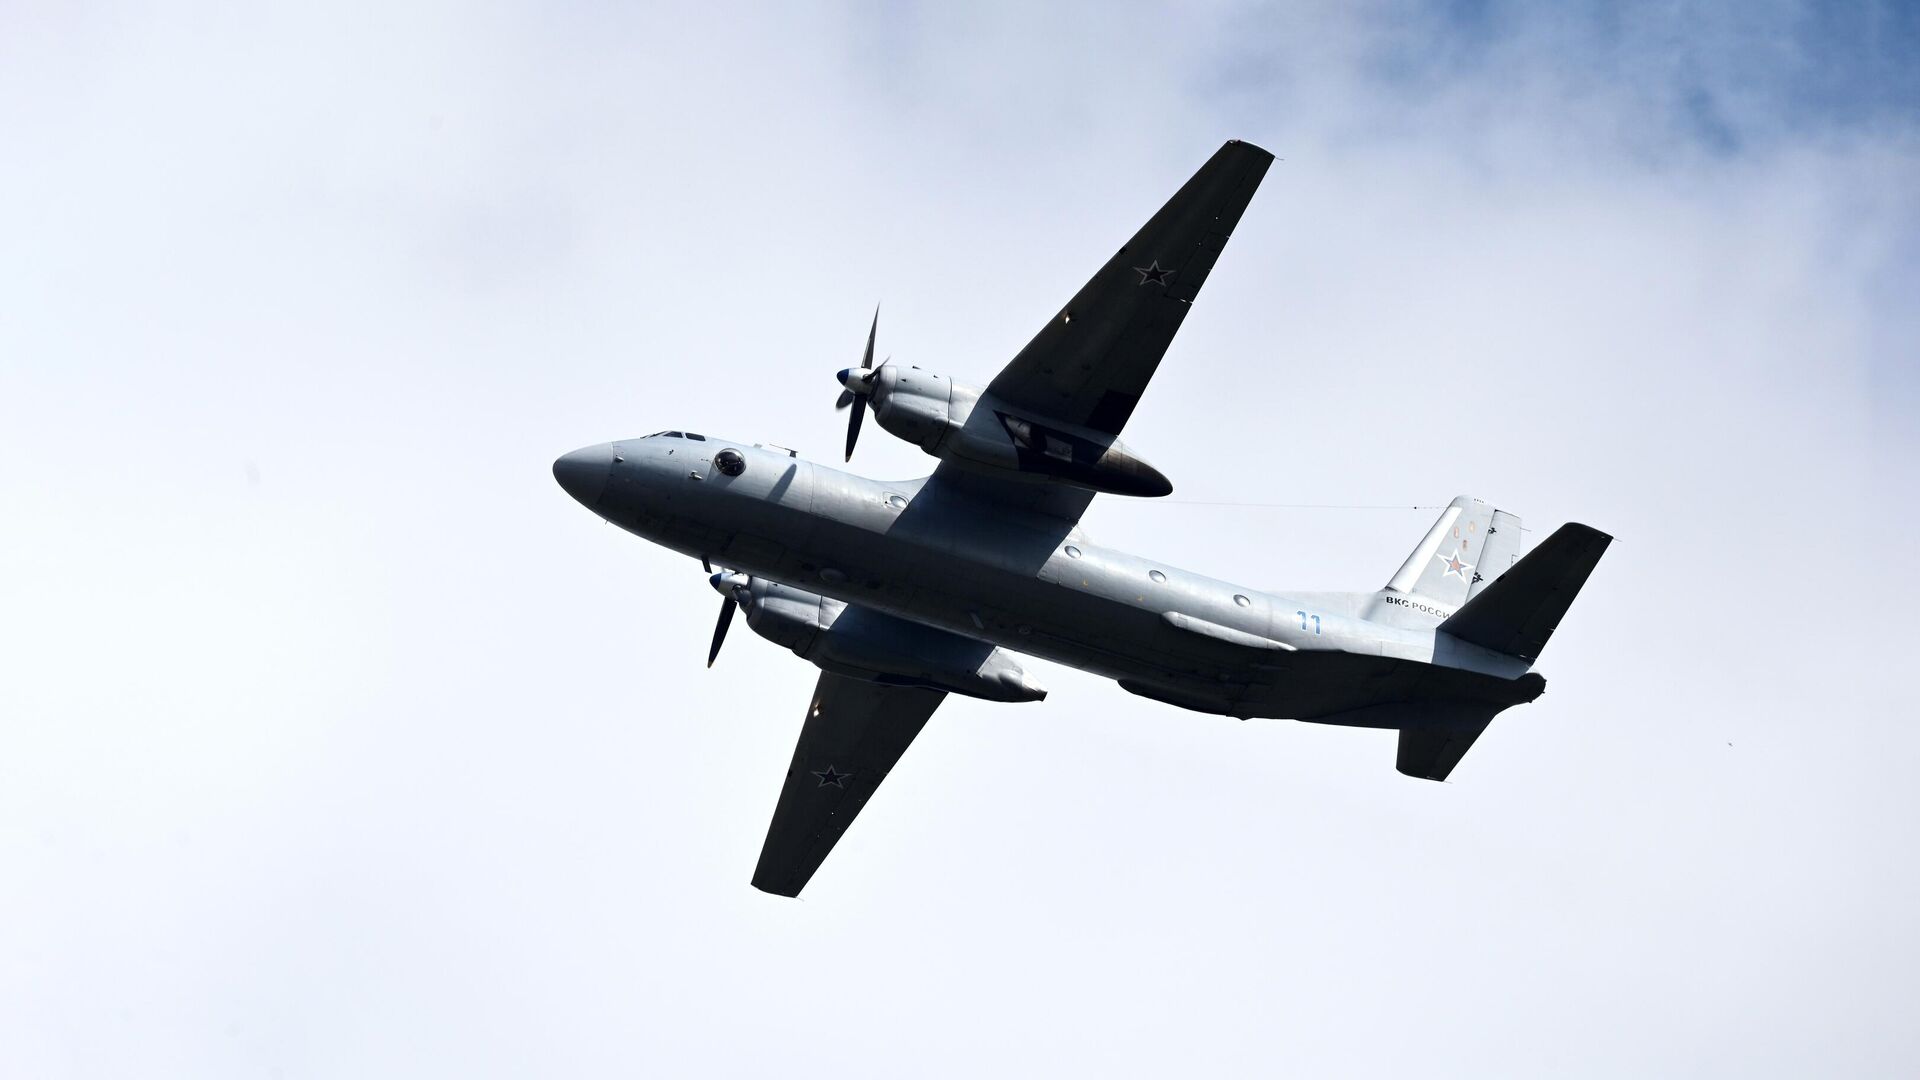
(727, 607)
(859, 385)
(858, 414)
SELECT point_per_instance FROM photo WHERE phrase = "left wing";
(1089, 365)
(854, 733)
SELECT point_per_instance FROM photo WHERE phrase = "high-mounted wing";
(854, 733)
(1090, 364)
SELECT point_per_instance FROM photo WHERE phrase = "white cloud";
(335, 739)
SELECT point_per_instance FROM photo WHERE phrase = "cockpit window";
(696, 438)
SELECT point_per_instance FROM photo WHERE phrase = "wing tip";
(1261, 150)
(1578, 528)
(787, 889)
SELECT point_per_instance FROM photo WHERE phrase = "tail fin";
(1518, 613)
(1467, 549)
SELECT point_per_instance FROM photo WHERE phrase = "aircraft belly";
(1032, 585)
(1011, 595)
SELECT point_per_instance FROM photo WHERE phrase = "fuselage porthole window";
(1241, 600)
(897, 502)
(1072, 552)
(730, 461)
(1158, 577)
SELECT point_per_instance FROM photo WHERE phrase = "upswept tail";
(1467, 580)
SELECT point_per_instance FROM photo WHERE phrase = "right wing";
(854, 733)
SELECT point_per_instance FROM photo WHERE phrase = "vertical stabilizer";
(1499, 550)
(1471, 545)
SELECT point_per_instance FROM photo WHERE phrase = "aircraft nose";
(584, 472)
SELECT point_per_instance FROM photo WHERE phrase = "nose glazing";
(583, 473)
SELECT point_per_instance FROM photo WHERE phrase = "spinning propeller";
(729, 585)
(859, 384)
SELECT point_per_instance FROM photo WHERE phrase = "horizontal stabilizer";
(1434, 735)
(1430, 751)
(1518, 612)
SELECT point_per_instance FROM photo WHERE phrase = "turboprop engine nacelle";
(949, 419)
(866, 644)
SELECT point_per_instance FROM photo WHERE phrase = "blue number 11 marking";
(1303, 621)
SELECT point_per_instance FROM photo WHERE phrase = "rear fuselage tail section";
(1468, 548)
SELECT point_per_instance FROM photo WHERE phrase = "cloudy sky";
(335, 740)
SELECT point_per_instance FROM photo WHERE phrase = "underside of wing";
(970, 495)
(854, 733)
(1089, 365)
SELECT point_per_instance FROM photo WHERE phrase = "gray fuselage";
(1033, 583)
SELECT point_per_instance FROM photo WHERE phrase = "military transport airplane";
(904, 592)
